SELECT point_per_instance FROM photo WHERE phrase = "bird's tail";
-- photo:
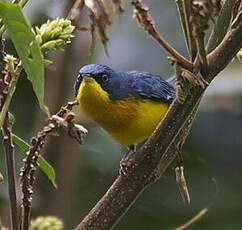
(171, 80)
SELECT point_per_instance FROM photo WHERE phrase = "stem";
(182, 60)
(11, 90)
(179, 5)
(227, 49)
(184, 9)
(191, 41)
(148, 24)
(25, 217)
(195, 219)
(9, 151)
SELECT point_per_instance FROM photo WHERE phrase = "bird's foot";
(125, 164)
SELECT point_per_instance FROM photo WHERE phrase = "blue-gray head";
(109, 80)
(100, 73)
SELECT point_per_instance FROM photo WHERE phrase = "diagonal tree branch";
(220, 57)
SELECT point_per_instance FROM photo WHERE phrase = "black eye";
(104, 77)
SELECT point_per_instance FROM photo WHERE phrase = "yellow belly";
(126, 121)
(148, 115)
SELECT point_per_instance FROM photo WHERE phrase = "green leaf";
(48, 170)
(26, 46)
(43, 164)
(21, 143)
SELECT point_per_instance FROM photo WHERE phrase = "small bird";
(127, 105)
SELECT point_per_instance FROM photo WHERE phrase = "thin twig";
(27, 173)
(191, 41)
(195, 219)
(236, 10)
(183, 20)
(11, 90)
(184, 9)
(227, 49)
(201, 13)
(148, 24)
(5, 81)
(10, 159)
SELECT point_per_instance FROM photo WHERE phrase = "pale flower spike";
(52, 35)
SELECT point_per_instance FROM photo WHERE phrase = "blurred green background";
(213, 152)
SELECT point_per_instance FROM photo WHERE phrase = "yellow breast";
(126, 121)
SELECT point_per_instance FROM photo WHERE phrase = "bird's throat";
(92, 98)
(96, 104)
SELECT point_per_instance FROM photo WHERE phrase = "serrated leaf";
(47, 169)
(26, 46)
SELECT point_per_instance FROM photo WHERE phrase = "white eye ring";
(105, 77)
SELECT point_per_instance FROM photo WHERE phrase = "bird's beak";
(88, 78)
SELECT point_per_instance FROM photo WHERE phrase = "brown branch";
(199, 18)
(5, 80)
(220, 57)
(139, 167)
(28, 170)
(190, 39)
(148, 24)
(10, 159)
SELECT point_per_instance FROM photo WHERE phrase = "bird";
(127, 105)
